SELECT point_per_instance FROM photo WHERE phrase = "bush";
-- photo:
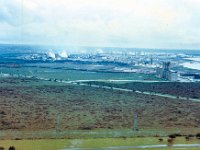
(11, 148)
(187, 138)
(177, 134)
(170, 141)
(190, 135)
(172, 136)
(198, 135)
(160, 139)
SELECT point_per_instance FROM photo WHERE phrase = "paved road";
(175, 146)
(82, 82)
(140, 92)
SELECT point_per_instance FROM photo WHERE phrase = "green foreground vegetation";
(72, 75)
(90, 117)
(65, 144)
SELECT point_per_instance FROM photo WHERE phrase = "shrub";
(198, 135)
(160, 139)
(177, 134)
(11, 148)
(190, 135)
(187, 138)
(170, 141)
(172, 136)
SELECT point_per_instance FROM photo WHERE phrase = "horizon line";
(97, 46)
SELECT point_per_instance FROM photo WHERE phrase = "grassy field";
(58, 144)
(67, 74)
(95, 133)
(32, 105)
(185, 89)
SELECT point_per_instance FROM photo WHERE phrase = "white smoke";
(99, 51)
(51, 54)
(63, 54)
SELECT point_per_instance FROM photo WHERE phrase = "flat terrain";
(185, 89)
(96, 144)
(32, 105)
(51, 70)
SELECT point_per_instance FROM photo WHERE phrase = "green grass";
(56, 144)
(75, 74)
(35, 144)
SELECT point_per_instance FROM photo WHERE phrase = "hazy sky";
(124, 23)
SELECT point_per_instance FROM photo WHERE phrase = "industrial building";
(166, 73)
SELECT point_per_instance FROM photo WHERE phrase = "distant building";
(159, 72)
(166, 73)
(172, 76)
(151, 61)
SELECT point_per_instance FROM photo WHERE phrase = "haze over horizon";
(170, 24)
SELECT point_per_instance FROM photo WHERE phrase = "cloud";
(127, 23)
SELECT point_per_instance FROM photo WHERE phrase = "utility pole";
(135, 121)
(58, 123)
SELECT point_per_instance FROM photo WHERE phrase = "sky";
(116, 23)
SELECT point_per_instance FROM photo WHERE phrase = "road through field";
(140, 92)
(82, 82)
(175, 146)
